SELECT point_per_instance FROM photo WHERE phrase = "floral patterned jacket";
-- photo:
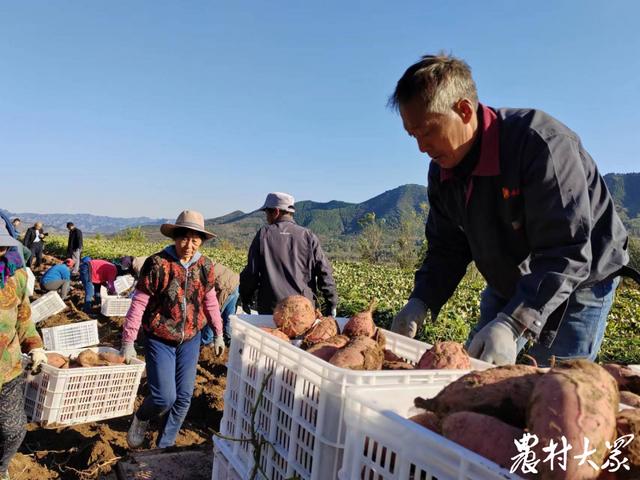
(18, 333)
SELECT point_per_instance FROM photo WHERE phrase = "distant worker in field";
(226, 284)
(93, 274)
(34, 241)
(132, 265)
(286, 259)
(16, 224)
(19, 335)
(174, 299)
(74, 246)
(58, 278)
(516, 192)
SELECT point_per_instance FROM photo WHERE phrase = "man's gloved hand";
(38, 358)
(497, 341)
(411, 318)
(128, 351)
(218, 346)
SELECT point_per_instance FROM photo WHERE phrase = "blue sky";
(130, 108)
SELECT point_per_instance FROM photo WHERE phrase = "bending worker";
(516, 192)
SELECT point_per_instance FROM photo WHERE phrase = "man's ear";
(464, 108)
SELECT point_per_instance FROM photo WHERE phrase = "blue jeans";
(171, 376)
(582, 329)
(227, 309)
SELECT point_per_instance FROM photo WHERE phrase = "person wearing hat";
(285, 259)
(95, 273)
(18, 336)
(58, 278)
(174, 299)
(34, 241)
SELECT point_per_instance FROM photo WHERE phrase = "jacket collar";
(489, 161)
(171, 250)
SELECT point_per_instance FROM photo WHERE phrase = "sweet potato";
(111, 357)
(324, 329)
(630, 399)
(626, 378)
(576, 399)
(326, 349)
(484, 435)
(428, 420)
(89, 358)
(361, 324)
(628, 423)
(389, 356)
(502, 392)
(56, 360)
(276, 333)
(294, 315)
(361, 353)
(445, 355)
(396, 365)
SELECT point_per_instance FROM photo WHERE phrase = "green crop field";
(359, 282)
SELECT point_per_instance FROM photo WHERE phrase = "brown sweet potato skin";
(629, 398)
(361, 353)
(56, 360)
(445, 355)
(389, 356)
(326, 349)
(361, 324)
(628, 422)
(396, 366)
(502, 392)
(626, 378)
(484, 435)
(577, 399)
(89, 358)
(428, 420)
(326, 328)
(276, 333)
(111, 357)
(294, 315)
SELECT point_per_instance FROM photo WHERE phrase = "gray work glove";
(411, 318)
(334, 312)
(128, 351)
(38, 358)
(218, 346)
(497, 341)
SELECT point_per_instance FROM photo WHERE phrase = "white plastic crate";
(113, 305)
(123, 283)
(302, 409)
(73, 335)
(222, 468)
(31, 281)
(382, 444)
(47, 305)
(78, 395)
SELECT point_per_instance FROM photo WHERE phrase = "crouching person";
(173, 301)
(17, 334)
(58, 278)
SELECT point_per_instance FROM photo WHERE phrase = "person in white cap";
(18, 335)
(286, 259)
(174, 299)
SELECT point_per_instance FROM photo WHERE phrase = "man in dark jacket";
(74, 246)
(286, 259)
(516, 192)
(34, 241)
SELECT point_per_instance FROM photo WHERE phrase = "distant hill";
(625, 190)
(89, 224)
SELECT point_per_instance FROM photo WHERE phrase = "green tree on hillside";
(370, 244)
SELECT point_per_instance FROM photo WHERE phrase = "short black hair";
(182, 232)
(70, 224)
(16, 220)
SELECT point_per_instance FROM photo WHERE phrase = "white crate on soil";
(382, 443)
(73, 335)
(46, 306)
(302, 409)
(113, 305)
(31, 281)
(123, 283)
(222, 467)
(71, 396)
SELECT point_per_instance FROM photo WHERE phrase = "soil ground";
(92, 450)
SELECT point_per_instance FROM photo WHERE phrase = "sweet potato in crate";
(68, 396)
(302, 410)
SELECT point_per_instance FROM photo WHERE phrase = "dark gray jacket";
(286, 259)
(534, 215)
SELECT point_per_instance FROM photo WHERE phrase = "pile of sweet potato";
(86, 358)
(360, 345)
(485, 411)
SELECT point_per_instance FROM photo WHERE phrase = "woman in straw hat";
(17, 334)
(173, 301)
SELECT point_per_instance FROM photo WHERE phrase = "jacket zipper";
(184, 303)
